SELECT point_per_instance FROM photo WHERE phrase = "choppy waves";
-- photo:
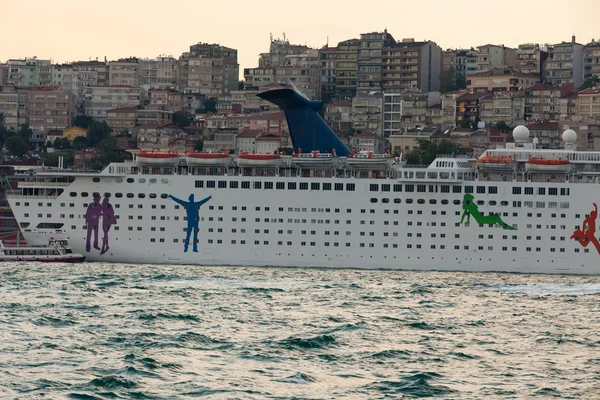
(95, 331)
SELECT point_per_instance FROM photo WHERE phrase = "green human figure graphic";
(470, 208)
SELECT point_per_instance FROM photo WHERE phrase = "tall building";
(13, 104)
(591, 59)
(565, 63)
(165, 99)
(29, 71)
(501, 80)
(366, 113)
(370, 60)
(410, 64)
(100, 99)
(346, 67)
(158, 73)
(201, 74)
(48, 108)
(3, 74)
(462, 61)
(278, 51)
(231, 67)
(327, 60)
(124, 72)
(589, 103)
(306, 78)
(491, 56)
(531, 59)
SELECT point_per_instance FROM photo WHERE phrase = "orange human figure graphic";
(587, 233)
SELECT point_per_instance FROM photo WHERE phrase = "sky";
(70, 30)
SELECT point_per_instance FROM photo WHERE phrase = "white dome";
(569, 136)
(520, 134)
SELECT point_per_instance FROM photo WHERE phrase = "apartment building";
(492, 56)
(411, 64)
(346, 67)
(158, 73)
(229, 57)
(548, 134)
(543, 102)
(122, 119)
(77, 76)
(3, 74)
(409, 110)
(564, 64)
(367, 113)
(370, 60)
(279, 49)
(306, 78)
(13, 105)
(467, 106)
(505, 107)
(338, 116)
(462, 61)
(327, 61)
(589, 103)
(269, 122)
(48, 108)
(28, 71)
(531, 59)
(204, 75)
(409, 140)
(100, 99)
(165, 99)
(149, 135)
(368, 142)
(450, 108)
(124, 72)
(500, 80)
(591, 59)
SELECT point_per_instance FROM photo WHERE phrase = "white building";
(100, 99)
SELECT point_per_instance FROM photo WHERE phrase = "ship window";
(456, 202)
(397, 188)
(199, 184)
(385, 201)
(210, 184)
(269, 185)
(119, 195)
(350, 187)
(222, 184)
(303, 185)
(553, 191)
(421, 201)
(445, 201)
(130, 180)
(456, 189)
(291, 186)
(432, 201)
(409, 201)
(152, 195)
(493, 190)
(73, 194)
(315, 186)
(385, 187)
(164, 181)
(257, 185)
(480, 189)
(409, 188)
(141, 195)
(152, 180)
(492, 202)
(373, 200)
(421, 188)
(245, 185)
(339, 186)
(542, 191)
(84, 194)
(326, 186)
(164, 196)
(25, 224)
(233, 184)
(119, 180)
(374, 187)
(529, 190)
(95, 179)
(280, 185)
(469, 189)
(445, 189)
(565, 191)
(397, 201)
(480, 202)
(130, 195)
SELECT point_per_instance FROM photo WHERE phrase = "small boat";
(369, 158)
(157, 157)
(496, 162)
(535, 164)
(195, 158)
(258, 160)
(55, 251)
(312, 159)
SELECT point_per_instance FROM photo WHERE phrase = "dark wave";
(317, 342)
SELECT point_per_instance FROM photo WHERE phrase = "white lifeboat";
(536, 164)
(368, 158)
(313, 158)
(195, 158)
(158, 157)
(245, 160)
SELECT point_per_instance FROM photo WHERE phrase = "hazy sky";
(68, 30)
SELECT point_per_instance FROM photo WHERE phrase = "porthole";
(73, 194)
(152, 195)
(107, 194)
(432, 201)
(421, 201)
(153, 180)
(504, 203)
(456, 202)
(118, 195)
(84, 194)
(397, 201)
(142, 180)
(164, 196)
(119, 180)
(373, 200)
(445, 201)
(141, 195)
(130, 180)
(492, 202)
(409, 201)
(480, 202)
(130, 195)
(385, 200)
(95, 179)
(164, 180)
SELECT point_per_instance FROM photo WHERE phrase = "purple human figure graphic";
(192, 209)
(92, 219)
(108, 220)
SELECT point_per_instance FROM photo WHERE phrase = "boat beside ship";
(56, 251)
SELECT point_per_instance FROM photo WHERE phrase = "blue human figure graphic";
(192, 209)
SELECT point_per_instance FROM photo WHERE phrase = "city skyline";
(149, 34)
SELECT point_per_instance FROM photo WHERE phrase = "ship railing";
(19, 195)
(43, 183)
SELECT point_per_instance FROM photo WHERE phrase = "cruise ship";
(512, 209)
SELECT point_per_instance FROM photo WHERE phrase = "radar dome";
(569, 136)
(521, 134)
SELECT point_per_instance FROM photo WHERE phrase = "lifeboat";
(535, 164)
(370, 159)
(313, 158)
(157, 157)
(245, 160)
(496, 162)
(195, 158)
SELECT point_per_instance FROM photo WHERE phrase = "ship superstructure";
(515, 209)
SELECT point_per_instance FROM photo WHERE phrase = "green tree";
(80, 143)
(97, 131)
(449, 80)
(16, 146)
(83, 121)
(25, 133)
(466, 123)
(592, 81)
(210, 104)
(61, 143)
(461, 81)
(427, 151)
(109, 153)
(502, 125)
(240, 85)
(182, 119)
(199, 145)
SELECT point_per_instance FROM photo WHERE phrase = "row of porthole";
(132, 180)
(385, 200)
(120, 195)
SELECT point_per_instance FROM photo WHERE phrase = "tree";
(427, 151)
(210, 104)
(199, 145)
(449, 80)
(502, 125)
(25, 133)
(83, 121)
(61, 143)
(182, 119)
(592, 81)
(108, 153)
(16, 146)
(97, 131)
(240, 85)
(461, 81)
(465, 123)
(80, 143)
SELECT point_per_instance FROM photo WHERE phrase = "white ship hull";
(318, 228)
